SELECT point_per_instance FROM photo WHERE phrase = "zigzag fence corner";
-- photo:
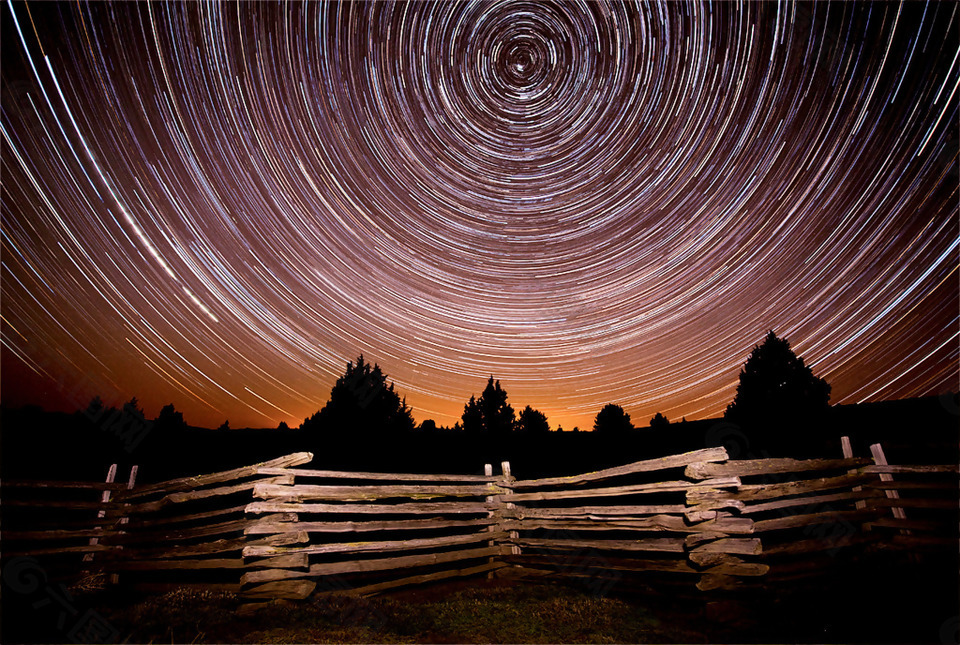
(698, 520)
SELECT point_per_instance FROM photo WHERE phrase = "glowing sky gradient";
(219, 205)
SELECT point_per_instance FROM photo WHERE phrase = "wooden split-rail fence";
(277, 530)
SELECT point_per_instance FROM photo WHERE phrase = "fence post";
(104, 498)
(488, 472)
(881, 460)
(131, 481)
(507, 478)
(847, 449)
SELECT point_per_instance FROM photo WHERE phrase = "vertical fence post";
(104, 498)
(131, 482)
(898, 513)
(507, 478)
(847, 449)
(881, 460)
(488, 472)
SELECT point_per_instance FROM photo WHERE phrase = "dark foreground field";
(899, 605)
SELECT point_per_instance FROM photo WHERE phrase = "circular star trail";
(220, 204)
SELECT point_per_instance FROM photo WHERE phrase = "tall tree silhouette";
(490, 413)
(498, 415)
(776, 386)
(612, 420)
(363, 402)
(472, 418)
(533, 421)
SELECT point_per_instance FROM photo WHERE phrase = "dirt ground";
(909, 607)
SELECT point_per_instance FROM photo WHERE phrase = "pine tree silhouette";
(362, 402)
(777, 387)
(490, 413)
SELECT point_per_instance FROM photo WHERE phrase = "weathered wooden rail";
(277, 530)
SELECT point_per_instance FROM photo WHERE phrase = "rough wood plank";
(608, 524)
(912, 525)
(57, 550)
(708, 559)
(393, 477)
(902, 484)
(54, 534)
(217, 546)
(25, 483)
(615, 564)
(714, 505)
(806, 501)
(754, 492)
(288, 589)
(358, 527)
(134, 537)
(385, 546)
(189, 496)
(894, 470)
(367, 493)
(656, 487)
(670, 523)
(371, 589)
(200, 563)
(745, 546)
(749, 467)
(292, 561)
(377, 509)
(378, 564)
(109, 507)
(596, 512)
(825, 517)
(167, 551)
(694, 539)
(137, 523)
(666, 545)
(280, 539)
(673, 461)
(818, 545)
(910, 502)
(190, 483)
(741, 569)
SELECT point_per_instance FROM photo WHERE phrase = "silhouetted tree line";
(775, 386)
(779, 410)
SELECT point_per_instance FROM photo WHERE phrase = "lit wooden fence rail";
(697, 519)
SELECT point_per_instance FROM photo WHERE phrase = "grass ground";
(876, 605)
(495, 612)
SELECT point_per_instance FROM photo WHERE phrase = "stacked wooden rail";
(61, 523)
(697, 519)
(605, 525)
(921, 511)
(813, 517)
(172, 534)
(367, 532)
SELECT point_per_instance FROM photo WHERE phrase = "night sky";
(220, 205)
